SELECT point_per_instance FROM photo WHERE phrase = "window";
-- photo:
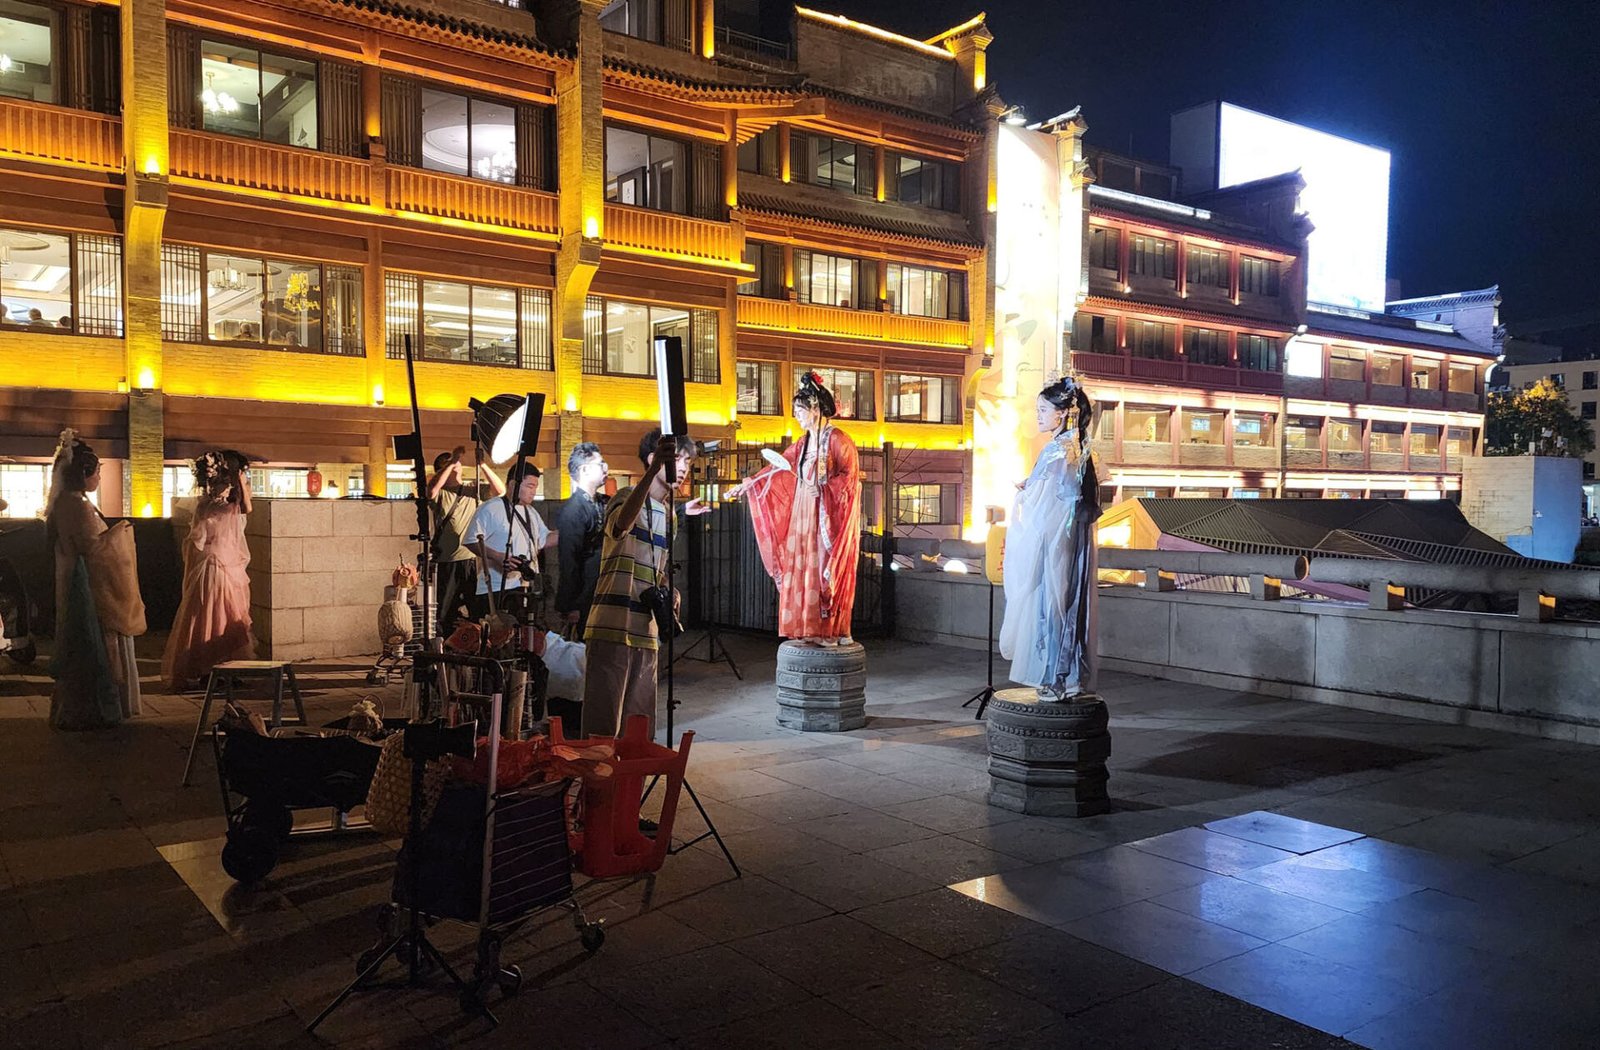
(647, 171)
(1559, 380)
(1586, 410)
(758, 388)
(1146, 423)
(1589, 378)
(1424, 375)
(1104, 245)
(923, 292)
(227, 298)
(1258, 352)
(1424, 440)
(1151, 339)
(1206, 346)
(759, 155)
(1154, 257)
(1344, 435)
(838, 164)
(1252, 430)
(1208, 267)
(257, 94)
(1387, 369)
(852, 391)
(1105, 421)
(1389, 437)
(927, 504)
(468, 136)
(619, 338)
(1258, 276)
(640, 19)
(922, 399)
(1302, 432)
(457, 321)
(1348, 363)
(919, 180)
(1459, 441)
(61, 282)
(29, 36)
(767, 281)
(835, 280)
(1464, 380)
(1344, 494)
(1094, 333)
(1588, 470)
(1203, 428)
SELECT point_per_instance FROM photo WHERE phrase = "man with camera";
(508, 543)
(632, 603)
(578, 524)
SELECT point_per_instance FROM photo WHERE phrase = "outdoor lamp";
(502, 424)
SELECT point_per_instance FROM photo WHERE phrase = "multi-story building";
(1580, 379)
(222, 223)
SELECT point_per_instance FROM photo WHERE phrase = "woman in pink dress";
(213, 621)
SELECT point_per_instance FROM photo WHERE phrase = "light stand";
(712, 638)
(994, 556)
(984, 695)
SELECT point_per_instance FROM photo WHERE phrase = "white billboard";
(1346, 195)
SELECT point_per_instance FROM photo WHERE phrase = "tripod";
(984, 695)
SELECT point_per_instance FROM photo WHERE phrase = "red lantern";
(314, 483)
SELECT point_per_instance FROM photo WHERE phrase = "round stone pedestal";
(1046, 757)
(822, 688)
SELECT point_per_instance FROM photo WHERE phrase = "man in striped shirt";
(621, 631)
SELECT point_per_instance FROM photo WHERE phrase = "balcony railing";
(1358, 390)
(1211, 377)
(474, 200)
(756, 312)
(55, 134)
(648, 231)
(266, 166)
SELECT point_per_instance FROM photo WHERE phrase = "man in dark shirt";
(577, 522)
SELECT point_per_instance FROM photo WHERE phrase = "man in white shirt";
(508, 545)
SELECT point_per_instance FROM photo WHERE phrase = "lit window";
(1303, 432)
(1460, 441)
(640, 19)
(1387, 369)
(1349, 364)
(1154, 257)
(468, 136)
(245, 91)
(61, 282)
(1258, 276)
(1152, 339)
(835, 280)
(1388, 438)
(838, 164)
(1424, 440)
(619, 338)
(29, 34)
(922, 292)
(853, 392)
(1203, 428)
(468, 323)
(227, 298)
(25, 488)
(922, 399)
(1104, 243)
(1252, 430)
(1146, 423)
(647, 171)
(759, 388)
(1424, 375)
(1464, 379)
(1208, 267)
(927, 504)
(932, 183)
(1344, 435)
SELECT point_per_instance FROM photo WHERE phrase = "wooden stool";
(221, 680)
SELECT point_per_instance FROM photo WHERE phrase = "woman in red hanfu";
(807, 518)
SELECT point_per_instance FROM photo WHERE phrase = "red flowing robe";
(808, 524)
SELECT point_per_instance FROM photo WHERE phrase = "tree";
(1539, 417)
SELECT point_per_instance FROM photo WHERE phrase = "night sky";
(1492, 114)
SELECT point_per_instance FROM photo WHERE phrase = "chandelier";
(217, 101)
(499, 166)
(7, 65)
(228, 278)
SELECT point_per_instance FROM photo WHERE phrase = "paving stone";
(941, 1005)
(831, 954)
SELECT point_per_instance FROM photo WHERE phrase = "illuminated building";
(229, 218)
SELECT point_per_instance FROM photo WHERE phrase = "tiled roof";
(461, 26)
(845, 218)
(1406, 530)
(1393, 330)
(1213, 226)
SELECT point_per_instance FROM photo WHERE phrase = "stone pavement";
(1274, 874)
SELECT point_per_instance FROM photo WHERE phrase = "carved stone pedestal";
(1048, 758)
(822, 689)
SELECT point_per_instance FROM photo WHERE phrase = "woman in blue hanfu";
(1048, 633)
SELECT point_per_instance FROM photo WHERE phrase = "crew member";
(578, 522)
(453, 508)
(508, 543)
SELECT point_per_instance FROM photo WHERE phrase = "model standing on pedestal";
(1049, 559)
(213, 622)
(807, 519)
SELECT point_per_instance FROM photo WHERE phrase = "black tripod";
(984, 695)
(716, 650)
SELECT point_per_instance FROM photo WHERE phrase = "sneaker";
(648, 828)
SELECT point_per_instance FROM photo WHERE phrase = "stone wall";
(1530, 503)
(318, 569)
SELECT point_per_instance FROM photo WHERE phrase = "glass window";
(1146, 423)
(468, 136)
(1104, 244)
(758, 388)
(640, 19)
(922, 399)
(294, 305)
(1460, 441)
(1344, 435)
(1105, 421)
(1387, 369)
(645, 170)
(751, 256)
(1208, 267)
(826, 280)
(1348, 363)
(1203, 428)
(1586, 410)
(759, 155)
(1154, 257)
(1252, 429)
(1258, 352)
(469, 323)
(838, 164)
(60, 282)
(1152, 339)
(257, 94)
(1258, 276)
(28, 35)
(1206, 346)
(924, 504)
(619, 338)
(1464, 380)
(1344, 494)
(1424, 375)
(1094, 333)
(235, 294)
(932, 183)
(1302, 432)
(1424, 440)
(1388, 437)
(923, 292)
(1589, 378)
(852, 391)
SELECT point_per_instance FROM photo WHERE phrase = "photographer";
(453, 510)
(508, 544)
(630, 599)
(578, 523)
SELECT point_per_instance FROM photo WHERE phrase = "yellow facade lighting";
(591, 227)
(147, 378)
(841, 22)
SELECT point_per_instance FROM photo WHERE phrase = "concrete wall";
(317, 573)
(1466, 668)
(1530, 503)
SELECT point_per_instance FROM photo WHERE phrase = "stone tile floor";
(1274, 874)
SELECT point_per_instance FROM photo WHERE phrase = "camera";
(523, 567)
(659, 600)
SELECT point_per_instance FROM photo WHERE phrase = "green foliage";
(1540, 416)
